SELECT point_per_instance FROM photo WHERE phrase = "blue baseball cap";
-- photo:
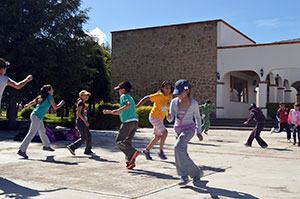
(180, 86)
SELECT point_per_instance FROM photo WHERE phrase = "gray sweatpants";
(37, 125)
(184, 164)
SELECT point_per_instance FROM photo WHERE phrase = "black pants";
(287, 127)
(295, 134)
(85, 137)
(256, 134)
(124, 139)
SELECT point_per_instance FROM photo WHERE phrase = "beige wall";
(148, 56)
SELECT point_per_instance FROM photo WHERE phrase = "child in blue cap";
(187, 119)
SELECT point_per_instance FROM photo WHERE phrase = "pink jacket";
(297, 113)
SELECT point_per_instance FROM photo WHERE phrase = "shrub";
(26, 112)
(273, 107)
(101, 121)
(143, 115)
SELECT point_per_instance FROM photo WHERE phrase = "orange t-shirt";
(161, 105)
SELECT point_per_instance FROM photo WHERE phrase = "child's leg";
(163, 139)
(88, 145)
(34, 125)
(153, 142)
(82, 128)
(43, 136)
(124, 139)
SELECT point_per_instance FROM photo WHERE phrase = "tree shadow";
(203, 144)
(13, 190)
(152, 173)
(218, 192)
(50, 159)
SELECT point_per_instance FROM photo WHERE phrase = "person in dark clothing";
(256, 115)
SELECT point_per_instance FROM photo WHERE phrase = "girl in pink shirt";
(294, 121)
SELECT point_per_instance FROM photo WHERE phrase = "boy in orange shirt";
(157, 115)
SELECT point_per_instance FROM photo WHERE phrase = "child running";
(256, 115)
(6, 81)
(82, 125)
(294, 121)
(129, 123)
(157, 115)
(44, 101)
(206, 109)
(187, 119)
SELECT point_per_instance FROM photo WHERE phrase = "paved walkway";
(230, 169)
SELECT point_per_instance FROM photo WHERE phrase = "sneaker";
(134, 156)
(184, 180)
(264, 146)
(130, 166)
(272, 130)
(162, 155)
(89, 153)
(289, 141)
(147, 154)
(71, 150)
(247, 145)
(23, 154)
(48, 148)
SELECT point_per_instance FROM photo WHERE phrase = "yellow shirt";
(161, 105)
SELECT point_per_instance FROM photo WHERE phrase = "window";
(238, 90)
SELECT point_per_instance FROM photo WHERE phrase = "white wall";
(269, 58)
(238, 109)
(229, 37)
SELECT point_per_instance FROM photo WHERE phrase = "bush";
(273, 107)
(143, 115)
(101, 121)
(26, 112)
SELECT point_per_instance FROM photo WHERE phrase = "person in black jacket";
(256, 115)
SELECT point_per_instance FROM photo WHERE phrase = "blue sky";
(262, 20)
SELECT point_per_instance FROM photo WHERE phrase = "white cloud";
(267, 23)
(98, 35)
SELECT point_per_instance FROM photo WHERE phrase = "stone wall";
(146, 57)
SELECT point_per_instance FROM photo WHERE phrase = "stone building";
(221, 63)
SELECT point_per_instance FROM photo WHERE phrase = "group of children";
(183, 109)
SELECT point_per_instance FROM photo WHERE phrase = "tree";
(44, 38)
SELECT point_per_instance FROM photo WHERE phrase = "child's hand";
(87, 124)
(26, 106)
(62, 102)
(246, 123)
(200, 137)
(105, 111)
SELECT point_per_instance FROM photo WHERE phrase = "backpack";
(72, 135)
(50, 135)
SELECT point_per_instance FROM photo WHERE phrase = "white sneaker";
(272, 130)
(289, 141)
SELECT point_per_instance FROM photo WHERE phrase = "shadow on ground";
(152, 174)
(13, 190)
(216, 193)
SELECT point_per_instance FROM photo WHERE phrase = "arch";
(248, 72)
(278, 81)
(286, 84)
(270, 78)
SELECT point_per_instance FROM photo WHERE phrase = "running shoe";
(161, 154)
(130, 166)
(72, 151)
(89, 153)
(184, 180)
(147, 154)
(48, 148)
(23, 154)
(134, 156)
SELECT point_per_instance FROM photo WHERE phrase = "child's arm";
(198, 121)
(57, 106)
(32, 103)
(143, 101)
(79, 109)
(171, 113)
(19, 85)
(117, 111)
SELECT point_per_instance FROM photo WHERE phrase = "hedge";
(273, 107)
(143, 115)
(26, 112)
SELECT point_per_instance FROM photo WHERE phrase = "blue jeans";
(184, 164)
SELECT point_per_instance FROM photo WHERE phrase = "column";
(220, 100)
(262, 97)
(272, 93)
(280, 94)
(287, 96)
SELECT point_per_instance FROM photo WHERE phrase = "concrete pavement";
(230, 169)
